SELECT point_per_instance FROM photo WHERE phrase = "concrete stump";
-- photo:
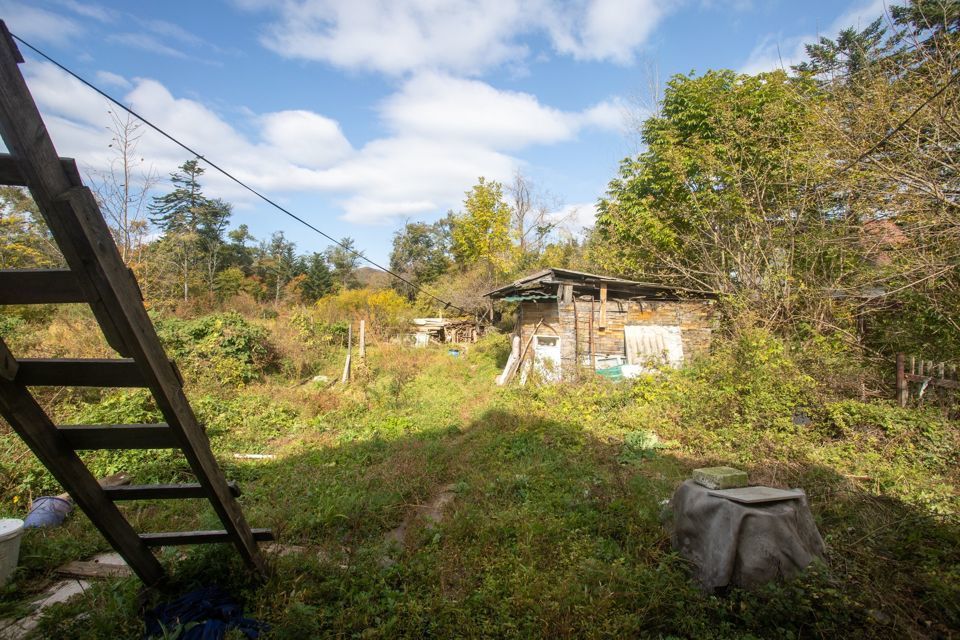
(742, 545)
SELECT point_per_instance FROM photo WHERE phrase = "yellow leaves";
(382, 306)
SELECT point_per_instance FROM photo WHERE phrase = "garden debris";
(47, 512)
(59, 592)
(254, 456)
(104, 565)
(446, 330)
(51, 511)
(745, 545)
(281, 550)
(203, 614)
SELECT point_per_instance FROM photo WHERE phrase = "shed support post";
(902, 390)
(603, 306)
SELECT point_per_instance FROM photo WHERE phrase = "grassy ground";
(554, 527)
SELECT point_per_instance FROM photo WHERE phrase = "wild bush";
(223, 347)
(384, 309)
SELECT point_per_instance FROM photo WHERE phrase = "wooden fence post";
(902, 389)
(345, 378)
(363, 340)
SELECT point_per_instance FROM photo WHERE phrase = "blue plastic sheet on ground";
(204, 614)
(47, 511)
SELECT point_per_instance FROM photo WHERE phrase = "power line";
(198, 155)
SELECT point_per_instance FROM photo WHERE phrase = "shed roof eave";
(554, 276)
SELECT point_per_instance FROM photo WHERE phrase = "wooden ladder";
(97, 276)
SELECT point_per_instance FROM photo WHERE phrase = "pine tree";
(179, 215)
(318, 281)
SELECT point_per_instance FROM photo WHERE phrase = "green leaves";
(481, 233)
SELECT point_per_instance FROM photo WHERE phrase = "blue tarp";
(204, 614)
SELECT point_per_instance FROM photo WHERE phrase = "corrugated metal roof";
(554, 276)
(528, 297)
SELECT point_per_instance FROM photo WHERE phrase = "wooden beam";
(74, 372)
(602, 323)
(122, 298)
(26, 138)
(88, 247)
(163, 491)
(11, 176)
(119, 436)
(8, 364)
(26, 417)
(176, 538)
(9, 42)
(39, 286)
(87, 569)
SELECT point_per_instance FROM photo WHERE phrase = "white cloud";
(306, 138)
(37, 25)
(112, 79)
(146, 42)
(437, 105)
(421, 167)
(404, 176)
(98, 13)
(779, 52)
(604, 29)
(576, 217)
(461, 36)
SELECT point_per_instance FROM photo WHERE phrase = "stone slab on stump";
(720, 477)
(742, 545)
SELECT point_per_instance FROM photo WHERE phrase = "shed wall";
(571, 321)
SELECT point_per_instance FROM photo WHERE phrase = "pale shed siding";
(695, 317)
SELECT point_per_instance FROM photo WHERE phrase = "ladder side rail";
(28, 419)
(79, 228)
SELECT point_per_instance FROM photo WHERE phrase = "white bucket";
(11, 530)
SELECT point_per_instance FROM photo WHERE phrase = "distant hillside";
(373, 278)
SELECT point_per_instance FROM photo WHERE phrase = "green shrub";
(9, 325)
(221, 346)
(495, 346)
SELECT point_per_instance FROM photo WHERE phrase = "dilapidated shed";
(446, 330)
(568, 318)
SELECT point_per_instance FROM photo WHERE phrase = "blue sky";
(359, 115)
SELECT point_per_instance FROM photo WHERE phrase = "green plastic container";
(612, 373)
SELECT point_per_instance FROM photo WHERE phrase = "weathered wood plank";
(8, 364)
(602, 323)
(176, 538)
(78, 226)
(79, 372)
(83, 437)
(163, 491)
(39, 286)
(26, 417)
(122, 298)
(936, 382)
(87, 569)
(12, 176)
(26, 137)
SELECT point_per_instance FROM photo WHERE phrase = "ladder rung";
(93, 372)
(10, 174)
(119, 436)
(39, 286)
(163, 491)
(176, 538)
